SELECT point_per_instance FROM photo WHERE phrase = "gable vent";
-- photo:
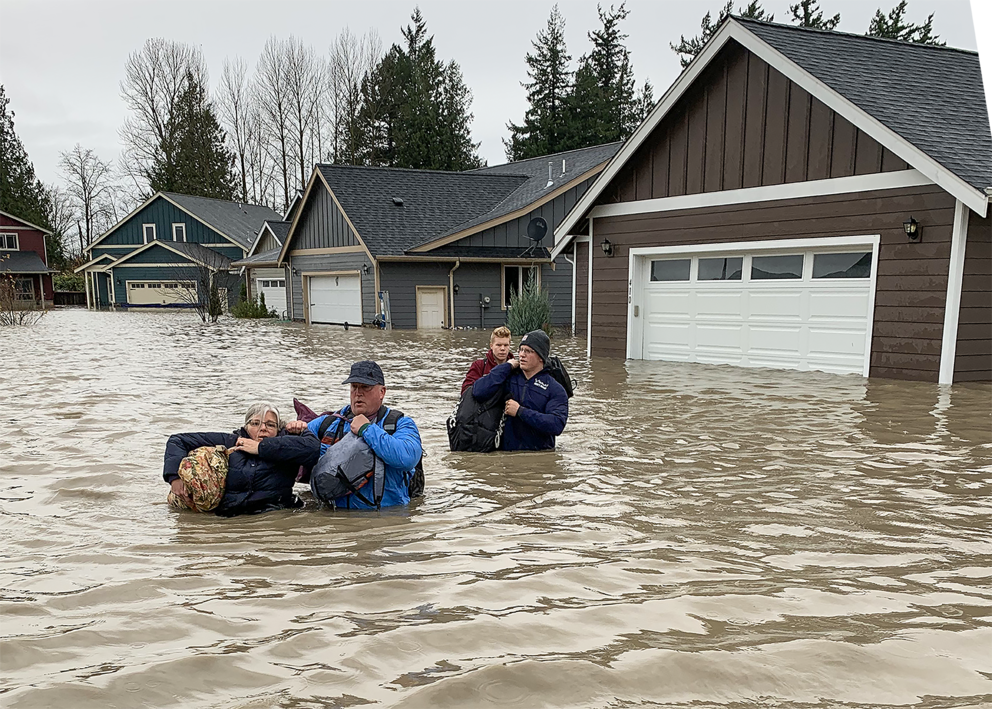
(398, 201)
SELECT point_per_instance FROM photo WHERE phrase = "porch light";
(912, 229)
(607, 246)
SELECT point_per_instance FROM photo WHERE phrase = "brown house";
(798, 199)
(24, 260)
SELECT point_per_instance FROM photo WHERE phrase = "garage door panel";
(723, 337)
(727, 305)
(779, 304)
(770, 340)
(831, 304)
(669, 303)
(826, 342)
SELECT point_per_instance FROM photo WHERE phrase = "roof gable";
(25, 223)
(199, 255)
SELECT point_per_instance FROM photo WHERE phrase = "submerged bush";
(530, 309)
(252, 308)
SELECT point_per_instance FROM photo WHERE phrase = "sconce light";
(296, 271)
(456, 289)
(607, 247)
(366, 269)
(118, 281)
(913, 229)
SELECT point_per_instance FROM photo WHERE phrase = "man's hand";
(296, 427)
(358, 422)
(179, 490)
(247, 445)
(514, 363)
(511, 407)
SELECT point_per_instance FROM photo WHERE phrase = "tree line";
(257, 137)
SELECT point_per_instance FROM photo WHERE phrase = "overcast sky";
(61, 62)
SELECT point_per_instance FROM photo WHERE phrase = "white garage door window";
(160, 292)
(804, 306)
(336, 299)
(274, 290)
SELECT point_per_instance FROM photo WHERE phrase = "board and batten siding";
(973, 356)
(267, 243)
(322, 225)
(911, 285)
(329, 263)
(744, 124)
(163, 214)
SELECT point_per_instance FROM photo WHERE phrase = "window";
(764, 268)
(671, 270)
(8, 242)
(148, 230)
(850, 265)
(178, 232)
(720, 269)
(24, 289)
(515, 278)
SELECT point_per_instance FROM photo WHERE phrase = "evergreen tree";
(196, 162)
(895, 27)
(543, 130)
(416, 108)
(807, 13)
(603, 106)
(687, 49)
(21, 192)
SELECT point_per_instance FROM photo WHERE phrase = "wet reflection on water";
(703, 536)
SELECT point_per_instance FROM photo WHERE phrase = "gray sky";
(62, 62)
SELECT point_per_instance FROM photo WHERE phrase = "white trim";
(795, 190)
(179, 224)
(3, 240)
(504, 297)
(89, 263)
(634, 275)
(144, 233)
(589, 296)
(733, 30)
(28, 225)
(952, 304)
(184, 264)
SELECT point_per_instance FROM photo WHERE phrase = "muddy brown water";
(702, 537)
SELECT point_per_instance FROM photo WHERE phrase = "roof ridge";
(322, 165)
(545, 157)
(217, 199)
(901, 42)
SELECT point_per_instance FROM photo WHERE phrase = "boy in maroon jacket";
(499, 352)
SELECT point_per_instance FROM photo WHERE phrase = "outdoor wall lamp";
(912, 229)
(296, 271)
(607, 246)
(456, 289)
(366, 269)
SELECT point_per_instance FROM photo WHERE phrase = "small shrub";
(252, 308)
(530, 309)
(69, 282)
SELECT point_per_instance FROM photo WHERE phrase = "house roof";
(433, 201)
(25, 223)
(194, 252)
(931, 96)
(239, 222)
(22, 262)
(280, 230)
(266, 258)
(489, 253)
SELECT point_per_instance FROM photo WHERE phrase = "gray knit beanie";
(538, 341)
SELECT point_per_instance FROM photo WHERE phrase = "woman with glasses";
(263, 460)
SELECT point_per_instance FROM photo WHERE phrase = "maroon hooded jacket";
(480, 368)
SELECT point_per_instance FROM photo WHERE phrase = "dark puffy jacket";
(543, 407)
(254, 483)
(480, 368)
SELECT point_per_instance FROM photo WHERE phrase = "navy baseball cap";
(365, 372)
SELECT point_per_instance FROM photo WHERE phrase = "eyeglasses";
(255, 423)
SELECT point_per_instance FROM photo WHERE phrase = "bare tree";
(273, 94)
(62, 217)
(351, 61)
(89, 181)
(234, 102)
(305, 80)
(154, 78)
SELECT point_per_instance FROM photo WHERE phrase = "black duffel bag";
(477, 426)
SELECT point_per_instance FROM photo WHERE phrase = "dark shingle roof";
(931, 96)
(433, 201)
(22, 262)
(240, 222)
(264, 258)
(280, 229)
(202, 254)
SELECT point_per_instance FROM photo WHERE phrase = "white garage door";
(160, 292)
(336, 299)
(274, 290)
(793, 309)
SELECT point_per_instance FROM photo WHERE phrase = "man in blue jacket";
(537, 409)
(393, 436)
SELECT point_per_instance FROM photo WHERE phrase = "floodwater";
(703, 536)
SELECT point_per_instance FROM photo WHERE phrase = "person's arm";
(488, 385)
(401, 449)
(474, 372)
(302, 450)
(180, 445)
(553, 420)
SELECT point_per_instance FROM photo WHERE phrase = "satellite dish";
(536, 229)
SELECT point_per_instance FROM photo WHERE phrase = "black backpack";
(557, 370)
(415, 485)
(477, 426)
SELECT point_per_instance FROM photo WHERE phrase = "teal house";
(168, 252)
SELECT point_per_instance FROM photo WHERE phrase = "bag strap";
(326, 424)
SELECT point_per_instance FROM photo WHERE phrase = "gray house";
(428, 249)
